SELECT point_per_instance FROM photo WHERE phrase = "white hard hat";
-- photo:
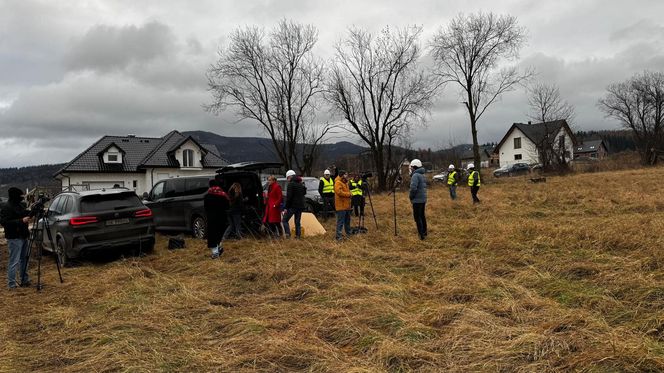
(470, 165)
(290, 173)
(416, 163)
(327, 172)
(451, 167)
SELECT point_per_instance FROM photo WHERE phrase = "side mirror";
(146, 196)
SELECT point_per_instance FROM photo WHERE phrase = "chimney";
(530, 122)
(131, 135)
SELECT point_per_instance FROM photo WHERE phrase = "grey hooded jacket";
(418, 186)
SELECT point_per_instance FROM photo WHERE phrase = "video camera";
(365, 175)
(39, 205)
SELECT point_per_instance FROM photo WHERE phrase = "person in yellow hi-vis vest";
(357, 192)
(452, 181)
(473, 182)
(326, 191)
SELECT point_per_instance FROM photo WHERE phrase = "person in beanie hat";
(342, 203)
(14, 217)
(216, 204)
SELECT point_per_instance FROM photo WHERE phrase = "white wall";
(97, 180)
(115, 150)
(528, 150)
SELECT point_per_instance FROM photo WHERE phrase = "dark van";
(177, 203)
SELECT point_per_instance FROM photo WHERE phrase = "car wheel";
(61, 251)
(310, 208)
(509, 174)
(199, 228)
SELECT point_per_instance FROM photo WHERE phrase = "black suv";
(178, 203)
(97, 220)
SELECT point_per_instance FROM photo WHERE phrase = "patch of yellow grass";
(563, 275)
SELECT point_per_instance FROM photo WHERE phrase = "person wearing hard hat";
(342, 204)
(418, 196)
(295, 203)
(473, 182)
(326, 191)
(452, 181)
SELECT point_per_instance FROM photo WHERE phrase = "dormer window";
(188, 158)
(112, 155)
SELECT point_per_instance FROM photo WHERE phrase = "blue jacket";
(418, 187)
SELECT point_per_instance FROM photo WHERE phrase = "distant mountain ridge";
(238, 149)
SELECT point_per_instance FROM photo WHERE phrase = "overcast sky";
(73, 71)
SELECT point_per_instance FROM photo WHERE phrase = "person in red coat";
(272, 217)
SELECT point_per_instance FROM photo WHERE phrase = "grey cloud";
(107, 48)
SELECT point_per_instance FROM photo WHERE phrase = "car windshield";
(106, 202)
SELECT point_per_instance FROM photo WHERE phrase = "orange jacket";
(341, 195)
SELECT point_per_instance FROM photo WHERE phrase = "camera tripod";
(360, 221)
(34, 235)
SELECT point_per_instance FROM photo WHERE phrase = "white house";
(137, 163)
(522, 142)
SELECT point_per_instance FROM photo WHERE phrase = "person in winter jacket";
(342, 203)
(235, 212)
(216, 204)
(14, 217)
(272, 217)
(295, 203)
(418, 196)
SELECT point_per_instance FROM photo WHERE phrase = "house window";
(517, 143)
(517, 157)
(135, 183)
(561, 142)
(188, 158)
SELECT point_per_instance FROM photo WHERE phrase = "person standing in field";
(357, 199)
(14, 217)
(342, 204)
(235, 212)
(473, 182)
(272, 217)
(452, 181)
(326, 191)
(418, 196)
(216, 204)
(295, 203)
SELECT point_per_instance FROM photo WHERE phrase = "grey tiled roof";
(538, 131)
(139, 152)
(588, 146)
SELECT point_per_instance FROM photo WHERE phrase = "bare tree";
(638, 104)
(546, 105)
(469, 52)
(378, 87)
(276, 81)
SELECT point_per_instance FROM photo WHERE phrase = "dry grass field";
(557, 276)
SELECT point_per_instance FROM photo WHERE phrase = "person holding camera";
(14, 217)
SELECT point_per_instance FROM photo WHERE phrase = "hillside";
(28, 177)
(238, 149)
(566, 275)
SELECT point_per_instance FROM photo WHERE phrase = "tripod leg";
(47, 228)
(394, 203)
(373, 212)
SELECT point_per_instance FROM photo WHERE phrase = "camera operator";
(14, 217)
(357, 188)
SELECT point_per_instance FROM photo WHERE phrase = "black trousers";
(328, 204)
(473, 192)
(420, 218)
(358, 205)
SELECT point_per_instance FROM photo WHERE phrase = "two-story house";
(523, 142)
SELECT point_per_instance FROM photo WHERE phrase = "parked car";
(440, 178)
(97, 220)
(313, 200)
(512, 170)
(177, 203)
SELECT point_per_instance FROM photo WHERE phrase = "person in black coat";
(295, 203)
(14, 217)
(216, 204)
